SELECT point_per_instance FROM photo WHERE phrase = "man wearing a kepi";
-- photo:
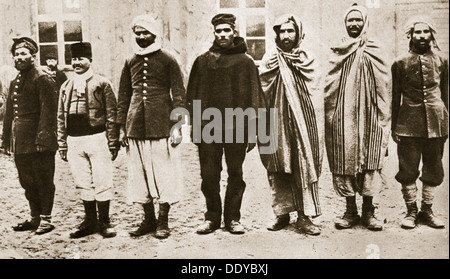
(224, 77)
(88, 139)
(420, 119)
(151, 86)
(357, 119)
(290, 85)
(29, 131)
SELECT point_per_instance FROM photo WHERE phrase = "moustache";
(76, 65)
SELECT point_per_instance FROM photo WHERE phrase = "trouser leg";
(211, 167)
(234, 156)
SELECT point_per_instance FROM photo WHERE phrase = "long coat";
(150, 87)
(30, 116)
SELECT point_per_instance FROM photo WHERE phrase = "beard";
(143, 43)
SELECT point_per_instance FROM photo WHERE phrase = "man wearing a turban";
(357, 119)
(290, 85)
(151, 85)
(29, 131)
(420, 119)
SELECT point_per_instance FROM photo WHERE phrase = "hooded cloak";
(357, 104)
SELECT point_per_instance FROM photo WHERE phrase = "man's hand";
(63, 155)
(176, 137)
(5, 149)
(250, 146)
(114, 153)
(40, 148)
(123, 137)
(396, 139)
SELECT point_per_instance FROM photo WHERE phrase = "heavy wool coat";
(30, 116)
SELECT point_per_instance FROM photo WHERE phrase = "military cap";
(223, 18)
(26, 43)
(81, 49)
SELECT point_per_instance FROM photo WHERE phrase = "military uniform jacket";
(30, 116)
(420, 95)
(101, 107)
(150, 87)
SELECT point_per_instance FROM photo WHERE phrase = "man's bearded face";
(354, 24)
(287, 36)
(51, 63)
(421, 36)
(224, 35)
(23, 59)
(143, 37)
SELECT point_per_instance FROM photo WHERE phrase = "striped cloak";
(357, 106)
(289, 85)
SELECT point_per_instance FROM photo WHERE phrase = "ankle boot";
(90, 223)
(306, 226)
(162, 230)
(149, 223)
(409, 222)
(426, 216)
(106, 229)
(349, 219)
(281, 222)
(368, 218)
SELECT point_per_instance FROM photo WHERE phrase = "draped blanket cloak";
(289, 85)
(357, 105)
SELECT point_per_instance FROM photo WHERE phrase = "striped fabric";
(357, 149)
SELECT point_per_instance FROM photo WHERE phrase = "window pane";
(229, 3)
(67, 54)
(256, 26)
(71, 6)
(72, 31)
(46, 7)
(256, 3)
(256, 48)
(44, 50)
(47, 32)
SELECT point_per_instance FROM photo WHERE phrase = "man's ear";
(33, 57)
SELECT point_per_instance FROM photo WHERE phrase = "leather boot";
(368, 218)
(281, 222)
(350, 218)
(106, 229)
(162, 230)
(90, 223)
(148, 224)
(306, 226)
(409, 222)
(426, 216)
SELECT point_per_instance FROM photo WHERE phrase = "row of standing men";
(88, 125)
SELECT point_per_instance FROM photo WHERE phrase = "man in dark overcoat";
(29, 131)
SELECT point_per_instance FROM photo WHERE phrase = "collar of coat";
(239, 47)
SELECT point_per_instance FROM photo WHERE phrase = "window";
(59, 25)
(251, 18)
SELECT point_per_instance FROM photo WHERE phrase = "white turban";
(153, 26)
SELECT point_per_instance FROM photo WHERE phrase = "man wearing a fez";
(29, 131)
(151, 86)
(224, 77)
(88, 139)
(420, 119)
(51, 68)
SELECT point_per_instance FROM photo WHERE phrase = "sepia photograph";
(224, 130)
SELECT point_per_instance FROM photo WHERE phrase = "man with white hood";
(151, 86)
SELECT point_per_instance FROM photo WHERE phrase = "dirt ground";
(257, 243)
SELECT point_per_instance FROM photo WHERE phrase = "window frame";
(59, 17)
(241, 13)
